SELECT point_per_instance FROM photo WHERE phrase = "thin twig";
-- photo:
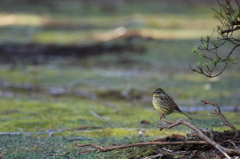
(218, 112)
(102, 149)
(229, 23)
(230, 30)
(201, 135)
(153, 156)
(54, 154)
(224, 153)
(236, 147)
(98, 116)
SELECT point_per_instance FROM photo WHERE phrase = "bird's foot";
(162, 116)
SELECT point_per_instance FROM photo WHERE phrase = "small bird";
(164, 104)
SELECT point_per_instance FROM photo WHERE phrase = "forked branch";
(222, 149)
(210, 48)
(218, 112)
(206, 140)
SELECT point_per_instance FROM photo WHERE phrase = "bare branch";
(218, 112)
(102, 149)
(206, 140)
(230, 30)
(202, 136)
(228, 18)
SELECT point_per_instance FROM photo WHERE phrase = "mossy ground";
(115, 89)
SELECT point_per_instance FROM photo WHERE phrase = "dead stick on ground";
(223, 150)
(218, 112)
(102, 149)
(202, 136)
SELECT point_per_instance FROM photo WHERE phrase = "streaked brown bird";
(164, 104)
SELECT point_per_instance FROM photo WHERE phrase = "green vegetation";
(104, 98)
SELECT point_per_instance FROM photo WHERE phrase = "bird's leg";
(162, 116)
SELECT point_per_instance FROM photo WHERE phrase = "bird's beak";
(155, 94)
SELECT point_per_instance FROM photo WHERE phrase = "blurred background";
(128, 48)
(65, 64)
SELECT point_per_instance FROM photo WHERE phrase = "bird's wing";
(169, 101)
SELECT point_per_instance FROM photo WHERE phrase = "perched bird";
(164, 104)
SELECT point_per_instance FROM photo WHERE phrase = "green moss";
(122, 90)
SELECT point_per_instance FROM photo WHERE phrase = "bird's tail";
(186, 115)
